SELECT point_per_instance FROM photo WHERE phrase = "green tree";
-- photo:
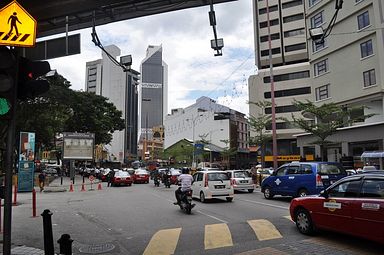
(328, 118)
(259, 124)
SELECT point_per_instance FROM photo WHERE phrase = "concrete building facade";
(106, 79)
(212, 122)
(348, 69)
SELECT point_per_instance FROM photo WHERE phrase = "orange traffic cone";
(82, 187)
(71, 187)
(99, 186)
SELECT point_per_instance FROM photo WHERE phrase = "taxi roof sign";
(17, 26)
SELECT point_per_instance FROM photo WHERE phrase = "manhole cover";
(97, 248)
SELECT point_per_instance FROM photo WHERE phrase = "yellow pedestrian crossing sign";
(17, 26)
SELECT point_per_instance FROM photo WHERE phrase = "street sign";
(17, 26)
(91, 178)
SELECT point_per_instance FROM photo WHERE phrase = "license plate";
(220, 186)
(243, 181)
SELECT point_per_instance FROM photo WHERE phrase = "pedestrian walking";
(41, 181)
(110, 176)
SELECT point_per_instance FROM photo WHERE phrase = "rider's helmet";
(185, 171)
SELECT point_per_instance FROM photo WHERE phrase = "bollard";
(48, 234)
(33, 203)
(15, 195)
(65, 243)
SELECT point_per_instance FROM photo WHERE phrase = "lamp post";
(145, 145)
(193, 119)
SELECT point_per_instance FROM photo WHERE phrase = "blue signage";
(25, 180)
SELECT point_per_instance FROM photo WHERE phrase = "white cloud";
(185, 35)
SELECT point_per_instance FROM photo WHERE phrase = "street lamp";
(193, 119)
(210, 141)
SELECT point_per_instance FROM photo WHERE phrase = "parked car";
(212, 184)
(141, 176)
(350, 171)
(121, 178)
(241, 180)
(354, 205)
(50, 171)
(302, 179)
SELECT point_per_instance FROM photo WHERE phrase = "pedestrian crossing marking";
(163, 242)
(264, 229)
(217, 236)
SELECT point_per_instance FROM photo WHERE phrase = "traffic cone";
(99, 186)
(71, 187)
(82, 187)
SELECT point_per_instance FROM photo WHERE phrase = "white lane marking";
(163, 197)
(213, 217)
(260, 203)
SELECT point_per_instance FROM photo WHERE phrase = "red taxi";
(354, 205)
(121, 178)
(141, 176)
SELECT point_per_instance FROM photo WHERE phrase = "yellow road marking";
(264, 230)
(163, 242)
(216, 236)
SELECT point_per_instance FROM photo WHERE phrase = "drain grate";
(97, 248)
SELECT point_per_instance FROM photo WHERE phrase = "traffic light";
(7, 81)
(31, 82)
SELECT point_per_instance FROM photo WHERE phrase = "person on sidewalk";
(41, 181)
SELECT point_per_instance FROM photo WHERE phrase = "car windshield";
(217, 176)
(241, 174)
(122, 174)
(325, 169)
(141, 172)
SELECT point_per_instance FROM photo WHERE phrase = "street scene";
(130, 127)
(122, 220)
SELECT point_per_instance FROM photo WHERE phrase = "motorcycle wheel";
(188, 209)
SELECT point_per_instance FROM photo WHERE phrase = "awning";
(373, 154)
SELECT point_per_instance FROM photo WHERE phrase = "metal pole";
(274, 141)
(193, 142)
(8, 170)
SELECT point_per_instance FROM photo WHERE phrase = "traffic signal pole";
(8, 169)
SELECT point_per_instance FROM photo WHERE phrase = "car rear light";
(117, 178)
(319, 182)
(206, 181)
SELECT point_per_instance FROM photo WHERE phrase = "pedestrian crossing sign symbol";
(17, 26)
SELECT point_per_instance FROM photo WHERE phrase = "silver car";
(241, 180)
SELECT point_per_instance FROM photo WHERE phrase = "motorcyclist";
(185, 179)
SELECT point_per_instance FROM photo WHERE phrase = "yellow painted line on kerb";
(216, 236)
(264, 230)
(163, 242)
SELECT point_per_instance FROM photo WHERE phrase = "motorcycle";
(186, 201)
(156, 181)
(167, 182)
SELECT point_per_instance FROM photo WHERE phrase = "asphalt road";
(142, 219)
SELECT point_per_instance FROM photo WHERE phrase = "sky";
(193, 70)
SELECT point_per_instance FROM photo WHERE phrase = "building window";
(264, 53)
(321, 67)
(273, 37)
(322, 92)
(292, 4)
(289, 92)
(369, 78)
(271, 9)
(273, 22)
(287, 76)
(295, 32)
(366, 49)
(316, 46)
(317, 20)
(292, 18)
(282, 109)
(295, 47)
(313, 2)
(363, 20)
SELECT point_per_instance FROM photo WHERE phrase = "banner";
(25, 180)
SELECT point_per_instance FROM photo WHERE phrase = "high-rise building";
(154, 93)
(107, 79)
(291, 74)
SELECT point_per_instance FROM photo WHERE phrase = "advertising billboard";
(25, 180)
(78, 146)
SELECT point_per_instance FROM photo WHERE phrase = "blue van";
(298, 179)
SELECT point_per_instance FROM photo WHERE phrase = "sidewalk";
(58, 185)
